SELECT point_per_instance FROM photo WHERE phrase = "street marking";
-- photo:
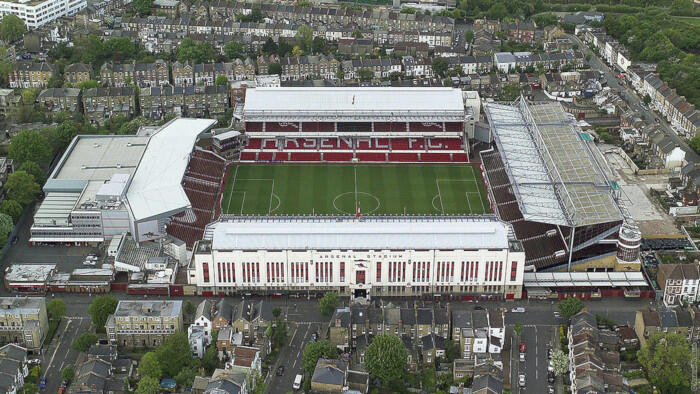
(56, 350)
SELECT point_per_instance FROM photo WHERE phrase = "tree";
(315, 350)
(148, 385)
(29, 388)
(30, 145)
(174, 354)
(221, 80)
(497, 11)
(544, 20)
(518, 329)
(274, 68)
(319, 45)
(365, 74)
(276, 312)
(296, 51)
(452, 351)
(234, 50)
(12, 28)
(34, 170)
(89, 84)
(185, 377)
(570, 307)
(68, 373)
(150, 366)
(6, 227)
(196, 52)
(54, 82)
(269, 47)
(560, 362)
(142, 7)
(328, 303)
(277, 332)
(647, 99)
(305, 36)
(84, 341)
(56, 308)
(386, 357)
(357, 33)
(694, 143)
(665, 359)
(440, 66)
(210, 360)
(21, 187)
(469, 35)
(100, 309)
(12, 208)
(189, 307)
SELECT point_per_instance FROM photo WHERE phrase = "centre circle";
(345, 203)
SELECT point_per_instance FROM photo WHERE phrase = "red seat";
(305, 156)
(265, 156)
(435, 157)
(411, 157)
(371, 156)
(254, 143)
(247, 155)
(270, 144)
(337, 156)
(281, 156)
(461, 157)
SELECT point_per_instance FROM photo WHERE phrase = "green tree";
(296, 51)
(64, 134)
(452, 351)
(197, 52)
(269, 47)
(518, 329)
(29, 388)
(21, 187)
(185, 377)
(357, 33)
(328, 303)
(174, 354)
(12, 208)
(365, 74)
(221, 80)
(647, 99)
(469, 35)
(148, 385)
(386, 357)
(30, 145)
(305, 37)
(274, 68)
(189, 307)
(84, 341)
(694, 143)
(150, 366)
(276, 312)
(560, 362)
(210, 360)
(68, 373)
(142, 7)
(544, 20)
(234, 50)
(277, 332)
(682, 7)
(319, 45)
(665, 359)
(440, 66)
(89, 84)
(570, 307)
(100, 309)
(54, 82)
(34, 170)
(497, 11)
(315, 350)
(6, 227)
(12, 28)
(56, 308)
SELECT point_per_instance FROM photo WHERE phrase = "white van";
(297, 382)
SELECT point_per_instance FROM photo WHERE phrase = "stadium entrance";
(359, 293)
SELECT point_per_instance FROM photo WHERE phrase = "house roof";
(329, 371)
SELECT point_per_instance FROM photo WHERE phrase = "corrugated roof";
(329, 234)
(155, 187)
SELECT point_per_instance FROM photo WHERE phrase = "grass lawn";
(328, 189)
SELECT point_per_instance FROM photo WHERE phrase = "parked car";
(90, 262)
(518, 309)
(280, 370)
(550, 376)
(521, 380)
(34, 361)
(42, 383)
(297, 382)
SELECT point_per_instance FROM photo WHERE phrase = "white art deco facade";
(462, 258)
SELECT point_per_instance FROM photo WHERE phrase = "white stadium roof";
(155, 187)
(353, 104)
(555, 170)
(331, 234)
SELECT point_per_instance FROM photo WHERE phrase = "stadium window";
(513, 270)
(379, 271)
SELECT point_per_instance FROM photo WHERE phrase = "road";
(629, 95)
(59, 353)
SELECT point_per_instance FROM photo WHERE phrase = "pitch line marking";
(379, 204)
(433, 203)
(279, 202)
(242, 202)
(442, 207)
(272, 192)
(466, 194)
(233, 187)
(355, 169)
(483, 205)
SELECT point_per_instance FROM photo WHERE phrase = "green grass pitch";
(336, 189)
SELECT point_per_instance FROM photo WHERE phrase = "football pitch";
(328, 189)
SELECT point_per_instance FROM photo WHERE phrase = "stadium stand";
(201, 183)
(336, 149)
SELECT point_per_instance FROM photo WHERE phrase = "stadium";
(366, 191)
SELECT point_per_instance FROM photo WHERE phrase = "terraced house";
(27, 74)
(100, 104)
(77, 72)
(305, 67)
(205, 73)
(191, 101)
(144, 323)
(24, 321)
(140, 74)
(60, 99)
(183, 73)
